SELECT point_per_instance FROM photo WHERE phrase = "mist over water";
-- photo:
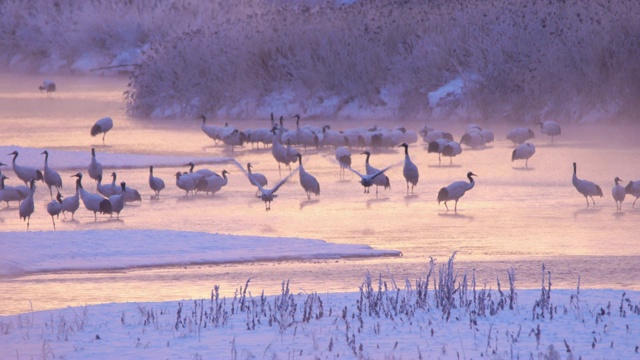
(514, 217)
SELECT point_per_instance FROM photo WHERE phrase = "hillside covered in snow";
(462, 60)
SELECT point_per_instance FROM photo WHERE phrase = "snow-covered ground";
(442, 315)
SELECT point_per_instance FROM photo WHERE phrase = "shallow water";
(514, 217)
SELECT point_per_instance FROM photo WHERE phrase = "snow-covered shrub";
(513, 61)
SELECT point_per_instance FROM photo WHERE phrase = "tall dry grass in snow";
(520, 61)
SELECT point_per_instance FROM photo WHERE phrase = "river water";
(514, 217)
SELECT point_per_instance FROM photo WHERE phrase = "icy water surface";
(514, 217)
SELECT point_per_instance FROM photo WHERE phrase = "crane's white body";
(367, 180)
(343, 155)
(308, 182)
(92, 201)
(618, 192)
(550, 128)
(410, 170)
(102, 126)
(523, 152)
(256, 178)
(456, 190)
(185, 182)
(12, 193)
(118, 201)
(155, 183)
(215, 182)
(25, 173)
(54, 208)
(50, 176)
(382, 180)
(95, 167)
(633, 189)
(587, 188)
(72, 203)
(27, 205)
(520, 134)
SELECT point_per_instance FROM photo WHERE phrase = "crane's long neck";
(46, 159)
(367, 160)
(406, 151)
(472, 182)
(14, 159)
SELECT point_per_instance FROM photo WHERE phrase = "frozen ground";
(441, 315)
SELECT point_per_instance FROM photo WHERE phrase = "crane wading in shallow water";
(155, 183)
(456, 190)
(27, 206)
(368, 180)
(93, 202)
(410, 170)
(102, 126)
(25, 173)
(618, 192)
(309, 182)
(587, 188)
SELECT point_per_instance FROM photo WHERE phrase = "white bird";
(451, 150)
(456, 190)
(155, 183)
(109, 189)
(633, 189)
(48, 85)
(473, 139)
(234, 138)
(256, 178)
(309, 183)
(523, 152)
(429, 135)
(27, 206)
(118, 200)
(305, 137)
(437, 146)
(25, 173)
(72, 203)
(51, 177)
(410, 170)
(95, 168)
(211, 131)
(520, 134)
(93, 202)
(586, 188)
(267, 195)
(130, 194)
(280, 152)
(215, 182)
(618, 192)
(102, 126)
(550, 128)
(382, 180)
(54, 208)
(12, 193)
(368, 180)
(185, 182)
(343, 155)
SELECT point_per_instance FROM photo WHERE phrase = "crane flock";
(112, 197)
